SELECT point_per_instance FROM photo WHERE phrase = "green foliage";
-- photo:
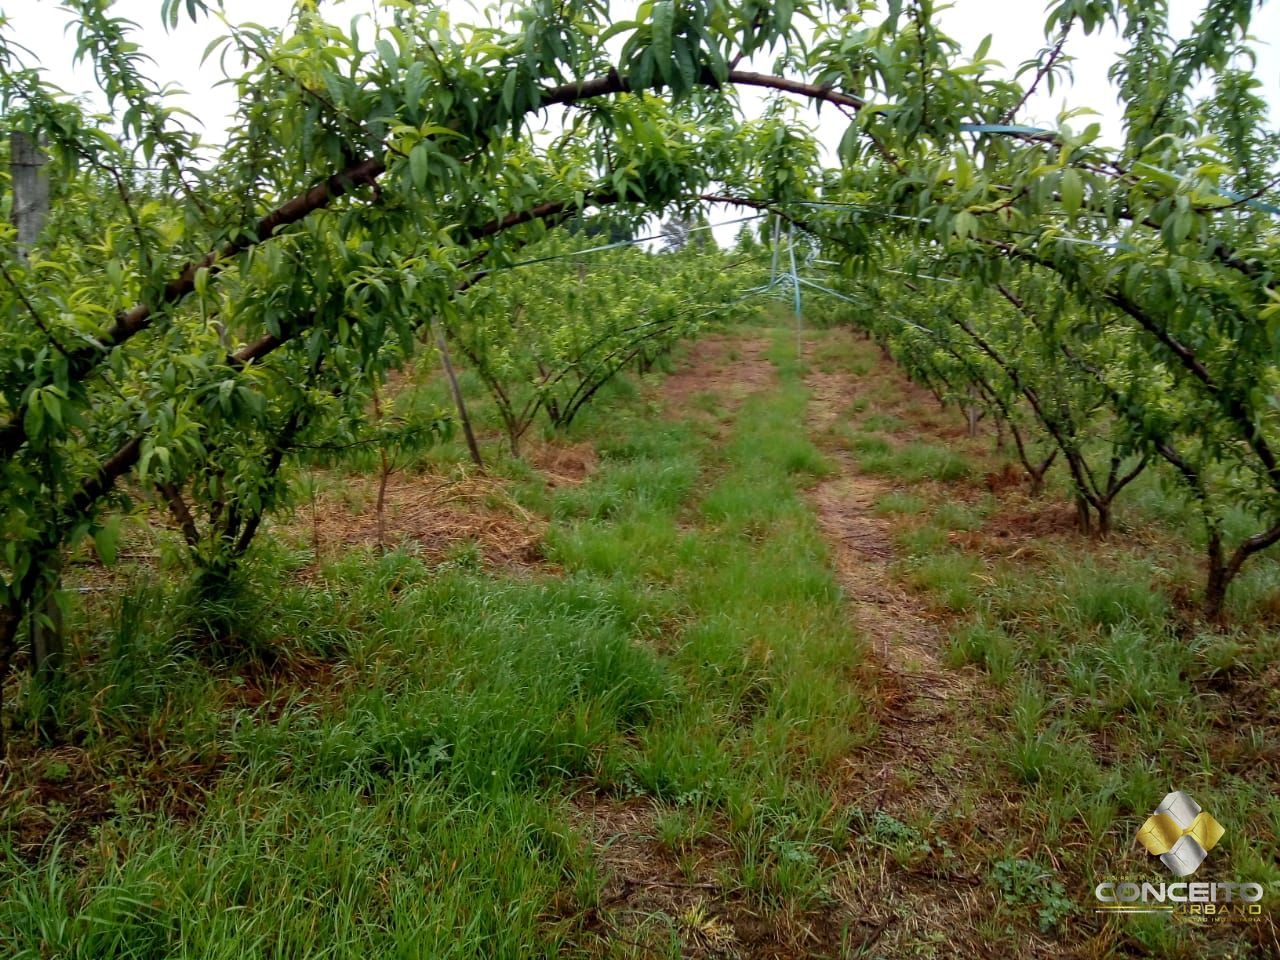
(1022, 881)
(194, 325)
(547, 336)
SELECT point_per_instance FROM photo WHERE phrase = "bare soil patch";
(725, 368)
(653, 892)
(563, 464)
(1021, 526)
(437, 515)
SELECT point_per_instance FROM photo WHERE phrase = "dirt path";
(913, 895)
(907, 643)
(726, 369)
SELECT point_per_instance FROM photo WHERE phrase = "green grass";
(899, 502)
(1102, 698)
(912, 462)
(882, 422)
(413, 797)
(405, 761)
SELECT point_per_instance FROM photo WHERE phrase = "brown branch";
(30, 308)
(181, 512)
(82, 361)
(137, 319)
(1231, 403)
(1054, 55)
(126, 457)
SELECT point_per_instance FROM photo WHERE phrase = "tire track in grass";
(930, 821)
(654, 899)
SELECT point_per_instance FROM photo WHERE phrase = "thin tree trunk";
(447, 364)
(315, 519)
(1215, 590)
(1103, 509)
(9, 619)
(972, 414)
(1035, 471)
(181, 513)
(383, 476)
(46, 634)
(1082, 513)
(1038, 473)
(382, 504)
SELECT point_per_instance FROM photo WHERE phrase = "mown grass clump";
(912, 462)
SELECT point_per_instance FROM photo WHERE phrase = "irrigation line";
(832, 293)
(918, 276)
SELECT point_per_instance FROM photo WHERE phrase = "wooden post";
(44, 625)
(30, 189)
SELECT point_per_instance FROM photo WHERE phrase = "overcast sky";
(1016, 26)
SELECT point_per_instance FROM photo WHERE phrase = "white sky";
(1016, 26)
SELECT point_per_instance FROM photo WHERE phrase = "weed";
(901, 502)
(1023, 881)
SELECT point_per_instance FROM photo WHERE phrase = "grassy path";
(1037, 693)
(784, 679)
(917, 781)
(720, 837)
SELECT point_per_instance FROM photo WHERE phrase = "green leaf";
(663, 19)
(419, 164)
(1072, 190)
(687, 70)
(509, 91)
(33, 421)
(388, 53)
(106, 540)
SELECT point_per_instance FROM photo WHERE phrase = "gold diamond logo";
(1180, 833)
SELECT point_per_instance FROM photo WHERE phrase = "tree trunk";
(9, 619)
(1038, 473)
(46, 635)
(382, 503)
(181, 513)
(1082, 514)
(513, 436)
(1215, 591)
(315, 519)
(1103, 509)
(447, 364)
